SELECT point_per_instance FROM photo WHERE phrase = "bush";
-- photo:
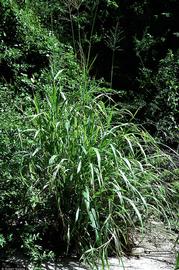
(160, 96)
(27, 49)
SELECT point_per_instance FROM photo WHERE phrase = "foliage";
(177, 262)
(76, 22)
(80, 174)
(77, 174)
(27, 48)
(162, 98)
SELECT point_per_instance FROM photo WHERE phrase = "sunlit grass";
(101, 173)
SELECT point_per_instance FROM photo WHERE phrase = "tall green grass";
(90, 175)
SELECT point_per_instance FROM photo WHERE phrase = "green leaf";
(52, 159)
(57, 75)
(79, 166)
(77, 214)
(86, 197)
(177, 262)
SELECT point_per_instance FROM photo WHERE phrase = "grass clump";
(88, 176)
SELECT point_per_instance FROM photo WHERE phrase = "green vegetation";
(177, 263)
(80, 165)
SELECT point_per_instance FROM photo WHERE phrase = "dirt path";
(132, 264)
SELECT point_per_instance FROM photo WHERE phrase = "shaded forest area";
(142, 36)
(89, 124)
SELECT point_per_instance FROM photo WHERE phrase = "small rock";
(138, 251)
(156, 223)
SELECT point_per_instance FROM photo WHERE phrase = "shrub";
(159, 95)
(27, 49)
